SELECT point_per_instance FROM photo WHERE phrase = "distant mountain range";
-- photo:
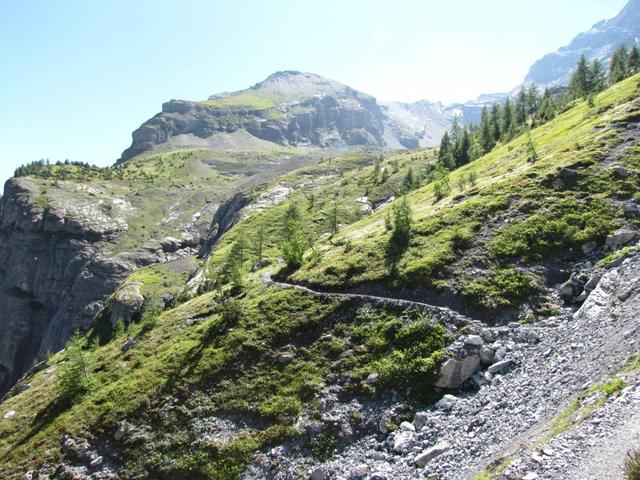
(307, 111)
(600, 42)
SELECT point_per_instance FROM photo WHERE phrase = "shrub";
(151, 310)
(74, 379)
(505, 288)
(632, 465)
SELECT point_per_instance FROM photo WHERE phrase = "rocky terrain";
(288, 282)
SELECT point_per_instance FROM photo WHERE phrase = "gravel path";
(547, 365)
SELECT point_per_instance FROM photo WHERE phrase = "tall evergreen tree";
(533, 99)
(485, 134)
(445, 154)
(507, 119)
(521, 107)
(462, 149)
(548, 107)
(618, 66)
(579, 85)
(633, 62)
(496, 123)
(597, 77)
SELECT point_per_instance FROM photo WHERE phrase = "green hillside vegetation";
(246, 100)
(481, 234)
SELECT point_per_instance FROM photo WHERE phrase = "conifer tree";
(533, 100)
(597, 77)
(521, 107)
(633, 62)
(618, 66)
(579, 86)
(496, 123)
(485, 134)
(462, 148)
(507, 119)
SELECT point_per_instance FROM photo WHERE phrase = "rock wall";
(53, 278)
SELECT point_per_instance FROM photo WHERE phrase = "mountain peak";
(599, 42)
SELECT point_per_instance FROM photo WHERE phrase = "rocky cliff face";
(52, 276)
(288, 108)
(599, 42)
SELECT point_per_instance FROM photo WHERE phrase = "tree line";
(531, 107)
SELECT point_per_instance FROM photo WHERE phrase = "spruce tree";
(496, 123)
(633, 62)
(618, 67)
(597, 77)
(507, 120)
(579, 85)
(521, 107)
(462, 149)
(533, 100)
(485, 134)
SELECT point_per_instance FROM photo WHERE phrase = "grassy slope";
(227, 362)
(545, 220)
(164, 190)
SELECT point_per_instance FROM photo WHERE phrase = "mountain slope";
(600, 42)
(70, 235)
(271, 380)
(288, 108)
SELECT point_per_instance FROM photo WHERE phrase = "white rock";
(372, 378)
(407, 427)
(473, 340)
(430, 453)
(9, 414)
(362, 470)
(447, 402)
(403, 441)
(531, 476)
(285, 358)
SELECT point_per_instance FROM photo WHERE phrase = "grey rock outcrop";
(53, 278)
(297, 109)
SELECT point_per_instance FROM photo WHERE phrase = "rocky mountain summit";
(288, 108)
(600, 42)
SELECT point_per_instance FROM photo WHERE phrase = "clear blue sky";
(77, 77)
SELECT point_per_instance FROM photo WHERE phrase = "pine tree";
(633, 62)
(73, 377)
(507, 120)
(260, 242)
(445, 154)
(409, 180)
(579, 86)
(533, 100)
(402, 222)
(618, 66)
(496, 123)
(521, 107)
(548, 107)
(485, 134)
(597, 77)
(462, 149)
(295, 239)
(334, 217)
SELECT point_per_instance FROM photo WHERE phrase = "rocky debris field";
(512, 411)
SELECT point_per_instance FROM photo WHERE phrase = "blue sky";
(77, 77)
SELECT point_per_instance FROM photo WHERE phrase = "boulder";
(500, 366)
(447, 402)
(430, 453)
(455, 372)
(318, 474)
(589, 247)
(487, 355)
(420, 420)
(473, 340)
(620, 237)
(403, 441)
